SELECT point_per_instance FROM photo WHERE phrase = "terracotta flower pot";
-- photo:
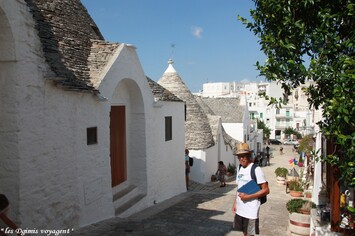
(294, 193)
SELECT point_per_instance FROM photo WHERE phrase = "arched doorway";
(127, 135)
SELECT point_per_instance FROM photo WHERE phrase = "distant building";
(295, 114)
(305, 117)
(221, 89)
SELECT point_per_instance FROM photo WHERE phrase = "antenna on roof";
(172, 50)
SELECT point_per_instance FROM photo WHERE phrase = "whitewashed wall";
(167, 158)
(161, 157)
(206, 161)
(198, 170)
(51, 176)
(53, 173)
(235, 130)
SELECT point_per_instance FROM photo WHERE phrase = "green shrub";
(295, 185)
(294, 205)
(281, 171)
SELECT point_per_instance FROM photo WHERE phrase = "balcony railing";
(282, 125)
(284, 116)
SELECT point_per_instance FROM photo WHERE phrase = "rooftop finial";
(170, 67)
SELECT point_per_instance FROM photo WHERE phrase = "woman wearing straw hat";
(246, 206)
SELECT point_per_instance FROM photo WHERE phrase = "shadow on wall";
(198, 171)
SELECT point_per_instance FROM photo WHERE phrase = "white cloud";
(197, 31)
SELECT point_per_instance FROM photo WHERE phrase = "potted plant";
(281, 174)
(308, 194)
(299, 217)
(300, 205)
(296, 188)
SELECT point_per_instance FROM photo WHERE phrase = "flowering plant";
(294, 162)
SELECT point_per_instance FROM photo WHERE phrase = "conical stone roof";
(198, 133)
(213, 119)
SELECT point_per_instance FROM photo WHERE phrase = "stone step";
(131, 202)
(123, 192)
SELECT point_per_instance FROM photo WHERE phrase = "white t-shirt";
(248, 209)
(187, 157)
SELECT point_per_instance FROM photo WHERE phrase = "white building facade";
(295, 114)
(61, 122)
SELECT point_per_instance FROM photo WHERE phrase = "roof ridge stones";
(100, 54)
(228, 108)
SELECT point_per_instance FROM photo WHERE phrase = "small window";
(168, 128)
(261, 115)
(91, 135)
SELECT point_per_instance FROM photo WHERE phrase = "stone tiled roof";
(66, 31)
(229, 109)
(100, 54)
(198, 133)
(74, 48)
(213, 118)
(160, 93)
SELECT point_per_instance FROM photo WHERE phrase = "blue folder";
(249, 188)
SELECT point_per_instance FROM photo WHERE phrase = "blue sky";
(203, 37)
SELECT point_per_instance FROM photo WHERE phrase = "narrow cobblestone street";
(203, 210)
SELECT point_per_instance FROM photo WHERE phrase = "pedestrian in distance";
(281, 150)
(246, 206)
(187, 168)
(4, 209)
(267, 155)
(221, 172)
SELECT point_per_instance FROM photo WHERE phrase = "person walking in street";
(187, 168)
(267, 155)
(246, 206)
(221, 172)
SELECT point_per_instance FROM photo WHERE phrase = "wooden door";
(118, 144)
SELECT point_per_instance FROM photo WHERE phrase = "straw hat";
(242, 148)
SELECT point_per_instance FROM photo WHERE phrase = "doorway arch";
(128, 99)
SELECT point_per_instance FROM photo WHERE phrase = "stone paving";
(203, 210)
